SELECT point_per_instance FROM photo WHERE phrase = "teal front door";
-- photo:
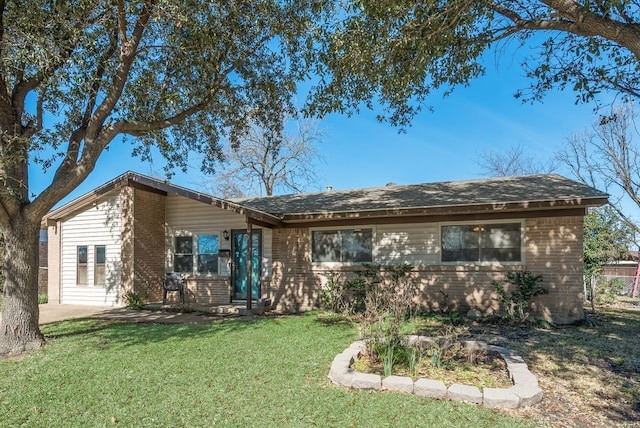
(239, 248)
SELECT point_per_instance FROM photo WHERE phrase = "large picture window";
(493, 242)
(81, 267)
(208, 254)
(183, 259)
(342, 246)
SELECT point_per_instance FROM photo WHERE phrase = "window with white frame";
(196, 254)
(183, 257)
(342, 246)
(482, 242)
(208, 254)
(100, 255)
(82, 254)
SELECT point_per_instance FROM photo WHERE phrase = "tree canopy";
(176, 75)
(606, 239)
(397, 52)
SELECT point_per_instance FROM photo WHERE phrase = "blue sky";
(441, 145)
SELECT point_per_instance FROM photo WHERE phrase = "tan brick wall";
(53, 262)
(207, 291)
(294, 287)
(553, 248)
(148, 231)
(127, 238)
(143, 252)
(43, 275)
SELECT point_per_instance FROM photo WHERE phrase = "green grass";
(42, 298)
(268, 371)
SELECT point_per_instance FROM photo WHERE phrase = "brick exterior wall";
(126, 247)
(149, 230)
(206, 291)
(553, 248)
(143, 242)
(294, 286)
(43, 274)
(53, 264)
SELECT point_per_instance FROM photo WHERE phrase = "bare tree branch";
(514, 161)
(605, 156)
(265, 161)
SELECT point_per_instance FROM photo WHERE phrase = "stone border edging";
(524, 392)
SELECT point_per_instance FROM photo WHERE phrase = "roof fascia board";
(448, 210)
(502, 215)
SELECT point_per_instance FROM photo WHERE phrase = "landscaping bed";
(481, 368)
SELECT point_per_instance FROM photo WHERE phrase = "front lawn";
(265, 371)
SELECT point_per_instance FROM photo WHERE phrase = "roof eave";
(450, 210)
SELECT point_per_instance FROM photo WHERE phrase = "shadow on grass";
(124, 333)
(75, 327)
(331, 320)
(599, 363)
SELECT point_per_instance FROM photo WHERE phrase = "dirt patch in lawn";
(590, 373)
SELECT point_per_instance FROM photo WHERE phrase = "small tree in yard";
(174, 75)
(606, 238)
(514, 161)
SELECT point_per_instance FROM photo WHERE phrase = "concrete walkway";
(52, 312)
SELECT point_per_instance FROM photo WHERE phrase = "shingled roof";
(523, 192)
(533, 192)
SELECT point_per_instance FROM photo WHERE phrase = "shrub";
(608, 289)
(345, 297)
(332, 295)
(134, 300)
(43, 298)
(383, 298)
(387, 303)
(523, 287)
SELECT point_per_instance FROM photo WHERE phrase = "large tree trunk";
(19, 331)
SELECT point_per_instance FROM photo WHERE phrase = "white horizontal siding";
(96, 225)
(415, 243)
(188, 217)
(89, 296)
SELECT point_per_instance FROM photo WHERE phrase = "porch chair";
(172, 282)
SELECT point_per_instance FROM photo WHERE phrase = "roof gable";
(148, 183)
